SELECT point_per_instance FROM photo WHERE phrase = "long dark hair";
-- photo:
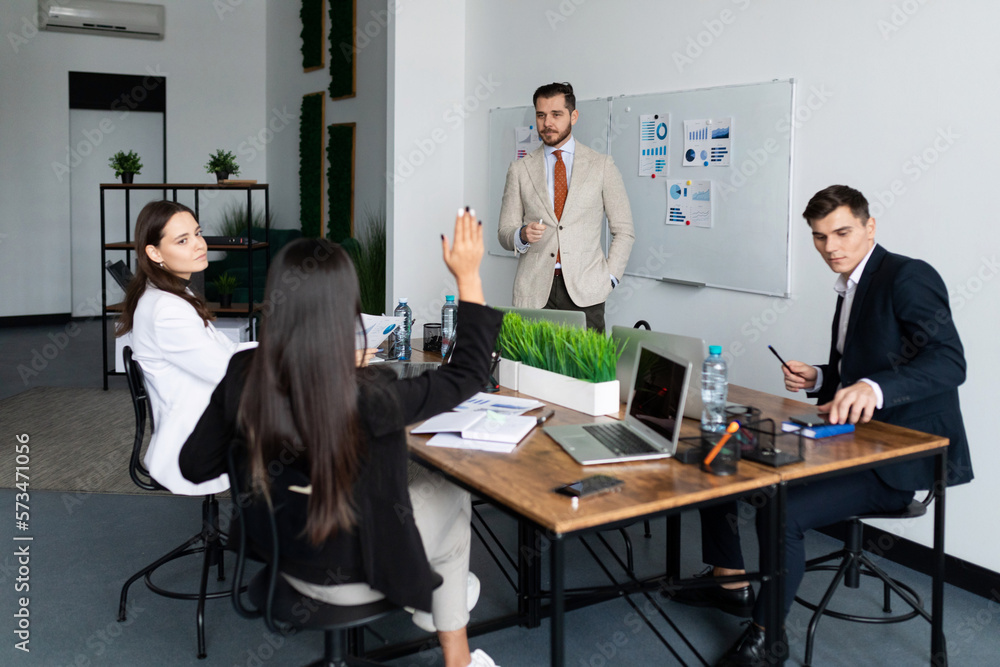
(300, 393)
(153, 217)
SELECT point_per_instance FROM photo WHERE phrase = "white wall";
(426, 89)
(877, 87)
(213, 57)
(287, 83)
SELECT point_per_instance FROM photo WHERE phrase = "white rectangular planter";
(507, 373)
(592, 398)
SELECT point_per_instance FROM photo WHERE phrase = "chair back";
(140, 404)
(271, 596)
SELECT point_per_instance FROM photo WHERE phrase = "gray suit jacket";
(595, 189)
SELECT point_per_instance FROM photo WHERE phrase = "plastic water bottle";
(714, 389)
(449, 320)
(403, 337)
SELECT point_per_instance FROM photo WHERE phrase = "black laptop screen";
(659, 388)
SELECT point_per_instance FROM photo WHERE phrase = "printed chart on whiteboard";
(654, 144)
(526, 139)
(689, 203)
(708, 143)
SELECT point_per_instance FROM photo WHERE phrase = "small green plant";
(225, 283)
(233, 221)
(125, 163)
(367, 251)
(222, 160)
(583, 354)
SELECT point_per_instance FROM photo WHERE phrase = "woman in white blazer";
(182, 356)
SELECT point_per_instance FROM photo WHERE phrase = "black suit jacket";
(901, 335)
(384, 549)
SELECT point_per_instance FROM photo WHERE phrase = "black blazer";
(384, 549)
(902, 336)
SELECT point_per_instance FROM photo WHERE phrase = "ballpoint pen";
(544, 418)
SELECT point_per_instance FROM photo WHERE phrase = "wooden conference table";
(521, 483)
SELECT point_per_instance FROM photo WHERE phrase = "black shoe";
(738, 601)
(750, 650)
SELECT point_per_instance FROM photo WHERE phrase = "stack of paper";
(476, 429)
(507, 405)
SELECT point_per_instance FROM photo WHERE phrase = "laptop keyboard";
(620, 440)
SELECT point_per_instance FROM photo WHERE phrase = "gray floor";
(85, 546)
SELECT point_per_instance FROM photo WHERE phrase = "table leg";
(673, 547)
(772, 566)
(558, 600)
(529, 575)
(939, 651)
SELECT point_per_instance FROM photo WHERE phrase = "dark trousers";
(559, 300)
(809, 506)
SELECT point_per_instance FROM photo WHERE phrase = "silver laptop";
(653, 418)
(570, 318)
(686, 347)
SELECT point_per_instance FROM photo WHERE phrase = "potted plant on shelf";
(571, 367)
(226, 284)
(126, 165)
(222, 164)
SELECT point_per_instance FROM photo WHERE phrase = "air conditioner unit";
(102, 17)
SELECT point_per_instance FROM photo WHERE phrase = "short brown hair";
(828, 200)
(553, 89)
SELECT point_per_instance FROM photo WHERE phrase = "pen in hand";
(544, 418)
(787, 368)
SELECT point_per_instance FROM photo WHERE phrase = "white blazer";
(182, 361)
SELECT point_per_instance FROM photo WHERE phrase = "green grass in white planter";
(578, 353)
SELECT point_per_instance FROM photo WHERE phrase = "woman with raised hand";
(300, 407)
(181, 354)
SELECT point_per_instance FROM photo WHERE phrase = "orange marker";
(732, 428)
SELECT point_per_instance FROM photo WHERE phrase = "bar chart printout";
(707, 142)
(654, 140)
(526, 139)
(689, 203)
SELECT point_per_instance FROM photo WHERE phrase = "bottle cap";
(403, 299)
(450, 297)
(715, 349)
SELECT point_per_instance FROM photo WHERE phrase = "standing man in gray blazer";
(553, 211)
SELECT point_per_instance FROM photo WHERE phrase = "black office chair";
(270, 594)
(854, 563)
(209, 541)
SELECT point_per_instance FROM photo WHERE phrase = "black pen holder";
(759, 442)
(432, 337)
(725, 461)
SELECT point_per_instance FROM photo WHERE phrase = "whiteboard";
(747, 246)
(591, 128)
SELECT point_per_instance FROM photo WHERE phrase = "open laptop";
(653, 418)
(570, 318)
(686, 347)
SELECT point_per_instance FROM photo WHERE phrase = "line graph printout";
(653, 144)
(526, 139)
(689, 203)
(707, 142)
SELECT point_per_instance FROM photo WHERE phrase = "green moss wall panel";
(311, 123)
(340, 180)
(342, 17)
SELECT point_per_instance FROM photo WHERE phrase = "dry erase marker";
(787, 368)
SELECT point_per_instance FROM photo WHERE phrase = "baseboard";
(35, 320)
(957, 572)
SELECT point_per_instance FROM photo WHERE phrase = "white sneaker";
(480, 659)
(425, 621)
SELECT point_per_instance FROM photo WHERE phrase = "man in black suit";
(895, 356)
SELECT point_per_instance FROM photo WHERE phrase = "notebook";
(653, 417)
(686, 347)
